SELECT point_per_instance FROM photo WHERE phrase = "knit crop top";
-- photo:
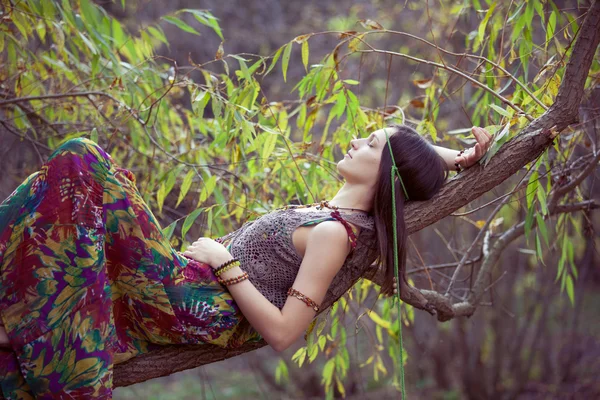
(266, 252)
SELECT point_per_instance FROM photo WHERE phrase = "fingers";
(482, 136)
(478, 151)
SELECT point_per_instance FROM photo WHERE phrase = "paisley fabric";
(88, 280)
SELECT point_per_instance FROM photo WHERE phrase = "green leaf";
(189, 220)
(281, 372)
(94, 135)
(206, 18)
(274, 60)
(427, 127)
(286, 59)
(322, 341)
(500, 110)
(328, 371)
(160, 196)
(168, 231)
(207, 189)
(157, 33)
(541, 196)
(268, 147)
(305, 53)
(551, 27)
(529, 221)
(570, 289)
(340, 105)
(299, 355)
(538, 249)
(542, 228)
(180, 24)
(483, 24)
(185, 186)
(531, 189)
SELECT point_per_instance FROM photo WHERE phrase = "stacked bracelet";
(226, 266)
(293, 292)
(234, 280)
(458, 169)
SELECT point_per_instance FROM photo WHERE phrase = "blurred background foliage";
(225, 110)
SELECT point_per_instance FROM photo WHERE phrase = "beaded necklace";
(335, 214)
(320, 205)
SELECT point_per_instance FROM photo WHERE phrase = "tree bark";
(469, 185)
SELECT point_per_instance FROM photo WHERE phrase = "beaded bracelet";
(226, 263)
(456, 164)
(222, 269)
(293, 292)
(234, 280)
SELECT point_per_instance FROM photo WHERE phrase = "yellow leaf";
(220, 52)
(369, 361)
(305, 55)
(302, 38)
(378, 320)
(370, 24)
(354, 43)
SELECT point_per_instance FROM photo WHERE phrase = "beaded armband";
(293, 292)
(234, 280)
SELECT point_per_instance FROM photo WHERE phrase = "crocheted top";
(266, 252)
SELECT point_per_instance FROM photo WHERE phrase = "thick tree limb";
(471, 184)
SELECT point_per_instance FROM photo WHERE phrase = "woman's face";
(361, 164)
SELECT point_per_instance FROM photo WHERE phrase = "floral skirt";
(88, 280)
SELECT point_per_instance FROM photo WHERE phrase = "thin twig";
(453, 70)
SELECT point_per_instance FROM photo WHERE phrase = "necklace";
(321, 205)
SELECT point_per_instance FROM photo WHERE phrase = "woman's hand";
(474, 154)
(208, 251)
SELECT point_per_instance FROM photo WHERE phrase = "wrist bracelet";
(231, 281)
(225, 264)
(225, 268)
(458, 169)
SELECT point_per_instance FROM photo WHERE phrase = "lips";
(348, 153)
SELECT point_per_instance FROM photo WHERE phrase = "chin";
(341, 166)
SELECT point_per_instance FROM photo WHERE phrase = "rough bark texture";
(471, 184)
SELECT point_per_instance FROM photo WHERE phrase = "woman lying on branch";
(88, 280)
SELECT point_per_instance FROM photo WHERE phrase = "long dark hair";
(423, 172)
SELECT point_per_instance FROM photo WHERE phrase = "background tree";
(215, 138)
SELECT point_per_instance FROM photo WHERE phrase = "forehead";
(381, 133)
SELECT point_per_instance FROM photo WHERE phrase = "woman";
(88, 280)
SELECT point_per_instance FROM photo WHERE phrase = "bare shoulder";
(330, 236)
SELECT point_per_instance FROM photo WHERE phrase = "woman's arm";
(326, 250)
(471, 155)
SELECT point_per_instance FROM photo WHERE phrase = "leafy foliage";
(216, 149)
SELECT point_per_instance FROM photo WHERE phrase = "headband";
(400, 352)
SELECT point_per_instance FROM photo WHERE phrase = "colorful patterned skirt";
(88, 280)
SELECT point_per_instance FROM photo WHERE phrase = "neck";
(354, 196)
